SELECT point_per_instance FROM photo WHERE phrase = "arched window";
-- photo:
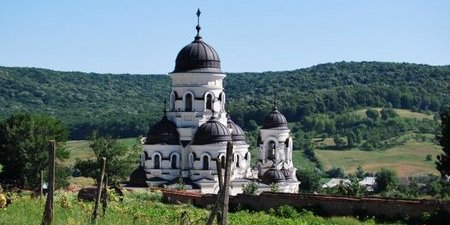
(222, 161)
(157, 161)
(188, 102)
(174, 161)
(205, 162)
(172, 101)
(222, 100)
(209, 101)
(271, 150)
(191, 160)
(237, 160)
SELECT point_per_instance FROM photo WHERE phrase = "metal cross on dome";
(198, 22)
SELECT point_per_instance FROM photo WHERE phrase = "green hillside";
(123, 105)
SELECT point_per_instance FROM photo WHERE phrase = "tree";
(120, 160)
(443, 159)
(340, 142)
(309, 180)
(335, 172)
(24, 147)
(386, 180)
(387, 113)
(1, 168)
(372, 114)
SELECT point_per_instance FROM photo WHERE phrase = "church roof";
(211, 132)
(163, 132)
(197, 56)
(275, 120)
(273, 175)
(237, 134)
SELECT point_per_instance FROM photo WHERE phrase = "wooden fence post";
(41, 193)
(105, 195)
(220, 178)
(226, 185)
(99, 189)
(49, 204)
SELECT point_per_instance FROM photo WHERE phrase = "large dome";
(197, 57)
(163, 132)
(211, 132)
(275, 120)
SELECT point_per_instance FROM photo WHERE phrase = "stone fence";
(383, 208)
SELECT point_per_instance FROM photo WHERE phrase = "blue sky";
(144, 36)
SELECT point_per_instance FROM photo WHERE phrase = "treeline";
(125, 105)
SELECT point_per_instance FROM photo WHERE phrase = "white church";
(194, 131)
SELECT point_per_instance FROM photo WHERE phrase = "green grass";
(403, 113)
(145, 208)
(406, 160)
(300, 161)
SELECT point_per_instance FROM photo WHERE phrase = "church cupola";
(237, 134)
(275, 120)
(197, 57)
(212, 132)
(163, 132)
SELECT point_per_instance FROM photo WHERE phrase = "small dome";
(275, 120)
(288, 174)
(273, 176)
(237, 134)
(163, 132)
(197, 57)
(211, 132)
(138, 178)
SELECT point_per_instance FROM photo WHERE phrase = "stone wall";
(323, 205)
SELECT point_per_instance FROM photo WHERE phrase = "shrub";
(286, 211)
(250, 188)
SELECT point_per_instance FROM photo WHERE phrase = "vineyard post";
(99, 189)
(226, 185)
(41, 193)
(105, 195)
(49, 204)
(220, 178)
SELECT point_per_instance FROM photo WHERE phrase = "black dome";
(163, 132)
(275, 120)
(273, 176)
(138, 178)
(288, 174)
(237, 134)
(211, 132)
(197, 57)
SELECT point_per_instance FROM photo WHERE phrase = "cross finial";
(198, 24)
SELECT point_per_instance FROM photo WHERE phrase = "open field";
(404, 113)
(300, 161)
(141, 207)
(80, 149)
(407, 159)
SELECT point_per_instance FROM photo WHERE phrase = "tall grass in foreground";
(141, 207)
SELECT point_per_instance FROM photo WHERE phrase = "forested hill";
(124, 105)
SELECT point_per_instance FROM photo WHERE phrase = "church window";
(271, 150)
(188, 102)
(237, 160)
(173, 161)
(191, 160)
(172, 101)
(209, 101)
(205, 162)
(157, 161)
(222, 161)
